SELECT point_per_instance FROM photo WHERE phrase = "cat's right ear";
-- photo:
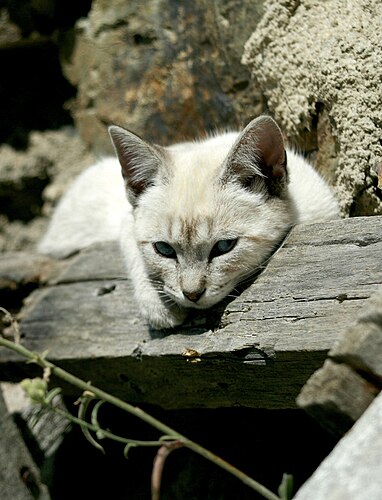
(139, 161)
(258, 160)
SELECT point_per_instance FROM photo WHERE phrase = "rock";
(20, 274)
(32, 181)
(353, 469)
(165, 70)
(9, 32)
(338, 393)
(321, 62)
(22, 268)
(336, 396)
(33, 90)
(361, 346)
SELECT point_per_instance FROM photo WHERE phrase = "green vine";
(37, 389)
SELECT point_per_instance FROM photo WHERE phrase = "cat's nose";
(194, 296)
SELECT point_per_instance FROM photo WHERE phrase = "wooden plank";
(353, 469)
(19, 475)
(257, 350)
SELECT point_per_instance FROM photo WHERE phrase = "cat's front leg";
(158, 315)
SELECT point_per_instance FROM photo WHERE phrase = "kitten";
(194, 219)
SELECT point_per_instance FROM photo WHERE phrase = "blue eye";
(164, 249)
(222, 247)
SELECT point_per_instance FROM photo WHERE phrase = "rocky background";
(172, 70)
(320, 67)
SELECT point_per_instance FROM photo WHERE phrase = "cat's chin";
(200, 307)
(202, 304)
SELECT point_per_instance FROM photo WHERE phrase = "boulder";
(32, 181)
(319, 65)
(166, 70)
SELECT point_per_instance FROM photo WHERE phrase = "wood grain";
(257, 350)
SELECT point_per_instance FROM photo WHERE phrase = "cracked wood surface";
(257, 350)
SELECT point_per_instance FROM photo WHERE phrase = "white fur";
(191, 210)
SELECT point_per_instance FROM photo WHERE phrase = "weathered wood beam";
(257, 350)
(19, 476)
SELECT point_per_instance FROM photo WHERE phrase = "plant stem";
(87, 386)
(106, 433)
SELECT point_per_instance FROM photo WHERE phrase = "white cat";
(194, 219)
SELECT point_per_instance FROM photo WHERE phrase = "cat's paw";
(161, 317)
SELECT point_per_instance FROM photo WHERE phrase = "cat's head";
(206, 214)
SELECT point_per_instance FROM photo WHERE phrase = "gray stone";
(353, 470)
(339, 392)
(361, 346)
(32, 181)
(336, 396)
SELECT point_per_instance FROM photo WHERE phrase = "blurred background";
(172, 70)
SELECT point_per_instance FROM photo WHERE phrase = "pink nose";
(194, 296)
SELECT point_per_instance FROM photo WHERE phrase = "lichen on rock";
(313, 58)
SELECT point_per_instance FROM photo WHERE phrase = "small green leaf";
(285, 490)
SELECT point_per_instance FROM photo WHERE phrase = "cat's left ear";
(258, 160)
(140, 161)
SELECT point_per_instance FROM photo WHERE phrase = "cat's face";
(206, 217)
(197, 256)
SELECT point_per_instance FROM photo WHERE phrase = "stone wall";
(319, 65)
(40, 151)
(166, 70)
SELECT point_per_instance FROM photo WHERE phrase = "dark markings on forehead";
(191, 227)
(188, 229)
(210, 226)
